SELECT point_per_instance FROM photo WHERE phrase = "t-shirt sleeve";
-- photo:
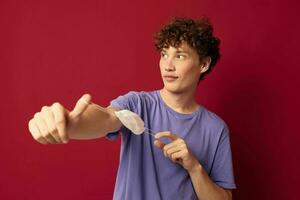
(128, 101)
(222, 169)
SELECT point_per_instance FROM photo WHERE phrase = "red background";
(58, 50)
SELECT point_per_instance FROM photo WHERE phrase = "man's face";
(180, 68)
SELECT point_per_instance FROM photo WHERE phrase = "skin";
(56, 125)
(179, 94)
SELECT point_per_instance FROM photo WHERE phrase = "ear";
(205, 64)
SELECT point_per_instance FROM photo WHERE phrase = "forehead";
(182, 47)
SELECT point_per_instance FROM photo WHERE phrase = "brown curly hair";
(198, 34)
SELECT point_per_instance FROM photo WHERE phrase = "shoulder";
(133, 99)
(141, 96)
(214, 122)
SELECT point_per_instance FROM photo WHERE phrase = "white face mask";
(131, 121)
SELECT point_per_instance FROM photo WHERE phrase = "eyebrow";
(181, 51)
(177, 51)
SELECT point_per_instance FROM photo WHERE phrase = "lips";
(170, 77)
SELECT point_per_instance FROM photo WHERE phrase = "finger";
(167, 134)
(178, 142)
(50, 122)
(43, 129)
(35, 133)
(176, 157)
(81, 105)
(169, 146)
(159, 144)
(60, 121)
(173, 150)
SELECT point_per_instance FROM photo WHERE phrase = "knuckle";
(58, 110)
(56, 105)
(44, 108)
(36, 115)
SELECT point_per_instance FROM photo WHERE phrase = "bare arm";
(95, 122)
(55, 124)
(205, 188)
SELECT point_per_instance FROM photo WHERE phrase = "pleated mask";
(131, 121)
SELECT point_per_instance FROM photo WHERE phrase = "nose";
(169, 65)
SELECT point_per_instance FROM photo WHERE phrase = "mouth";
(170, 78)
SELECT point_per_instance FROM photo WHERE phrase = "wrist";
(196, 168)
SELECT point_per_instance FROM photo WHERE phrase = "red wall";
(57, 50)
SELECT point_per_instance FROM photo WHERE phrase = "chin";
(178, 88)
(173, 89)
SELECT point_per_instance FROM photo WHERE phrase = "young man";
(190, 155)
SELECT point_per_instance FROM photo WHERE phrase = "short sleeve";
(222, 169)
(128, 101)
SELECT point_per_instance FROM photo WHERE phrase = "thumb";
(81, 106)
(159, 144)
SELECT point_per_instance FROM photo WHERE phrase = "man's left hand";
(177, 150)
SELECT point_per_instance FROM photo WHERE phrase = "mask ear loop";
(149, 131)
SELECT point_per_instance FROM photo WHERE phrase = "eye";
(181, 57)
(163, 55)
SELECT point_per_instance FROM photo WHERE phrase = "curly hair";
(198, 34)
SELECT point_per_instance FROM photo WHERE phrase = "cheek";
(189, 72)
(187, 69)
(161, 64)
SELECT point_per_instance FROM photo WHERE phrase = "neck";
(183, 102)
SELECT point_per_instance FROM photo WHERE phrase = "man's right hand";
(52, 124)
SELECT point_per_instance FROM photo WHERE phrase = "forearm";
(95, 122)
(205, 188)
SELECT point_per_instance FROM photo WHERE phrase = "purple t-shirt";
(145, 173)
